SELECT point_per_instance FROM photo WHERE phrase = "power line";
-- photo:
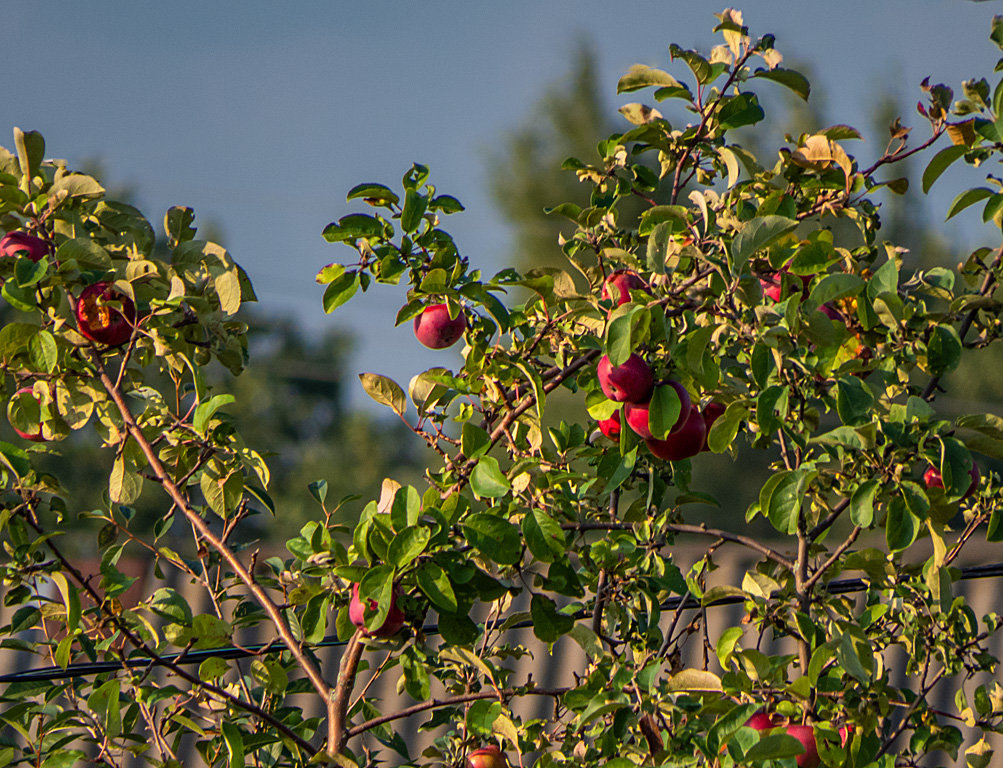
(839, 587)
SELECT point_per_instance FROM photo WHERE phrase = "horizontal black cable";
(839, 587)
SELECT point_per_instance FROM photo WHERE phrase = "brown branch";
(143, 648)
(336, 735)
(833, 558)
(270, 608)
(829, 519)
(449, 701)
(701, 530)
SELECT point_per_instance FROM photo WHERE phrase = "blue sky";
(261, 115)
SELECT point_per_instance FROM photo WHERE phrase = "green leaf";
(854, 401)
(622, 470)
(30, 151)
(415, 205)
(694, 681)
(967, 198)
(940, 163)
(787, 78)
(548, 623)
(385, 391)
(771, 408)
(76, 185)
(234, 743)
(434, 582)
(740, 110)
(901, 525)
(996, 34)
(178, 225)
(943, 350)
(205, 411)
(832, 288)
(447, 204)
(496, 538)
(862, 503)
(353, 227)
(474, 441)
(43, 351)
(105, 702)
(544, 536)
(756, 234)
(783, 502)
(340, 290)
(374, 194)
(487, 480)
(722, 433)
(27, 272)
(407, 545)
(774, 746)
(658, 243)
(663, 411)
(212, 668)
(640, 76)
(124, 486)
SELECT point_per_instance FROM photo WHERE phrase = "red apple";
(436, 329)
(36, 434)
(611, 426)
(711, 413)
(102, 321)
(621, 283)
(357, 614)
(35, 248)
(806, 735)
(487, 757)
(684, 442)
(845, 734)
(631, 382)
(761, 721)
(933, 479)
(831, 312)
(636, 414)
(772, 283)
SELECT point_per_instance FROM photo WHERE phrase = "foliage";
(766, 291)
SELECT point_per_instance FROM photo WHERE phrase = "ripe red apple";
(806, 735)
(772, 283)
(636, 414)
(35, 248)
(611, 426)
(631, 382)
(711, 413)
(933, 479)
(761, 721)
(357, 614)
(487, 757)
(683, 442)
(36, 434)
(621, 283)
(102, 321)
(436, 329)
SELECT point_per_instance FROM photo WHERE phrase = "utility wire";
(839, 587)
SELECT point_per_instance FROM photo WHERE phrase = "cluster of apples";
(633, 384)
(763, 721)
(104, 314)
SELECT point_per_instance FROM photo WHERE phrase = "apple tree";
(753, 304)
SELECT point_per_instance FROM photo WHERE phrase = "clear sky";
(261, 115)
